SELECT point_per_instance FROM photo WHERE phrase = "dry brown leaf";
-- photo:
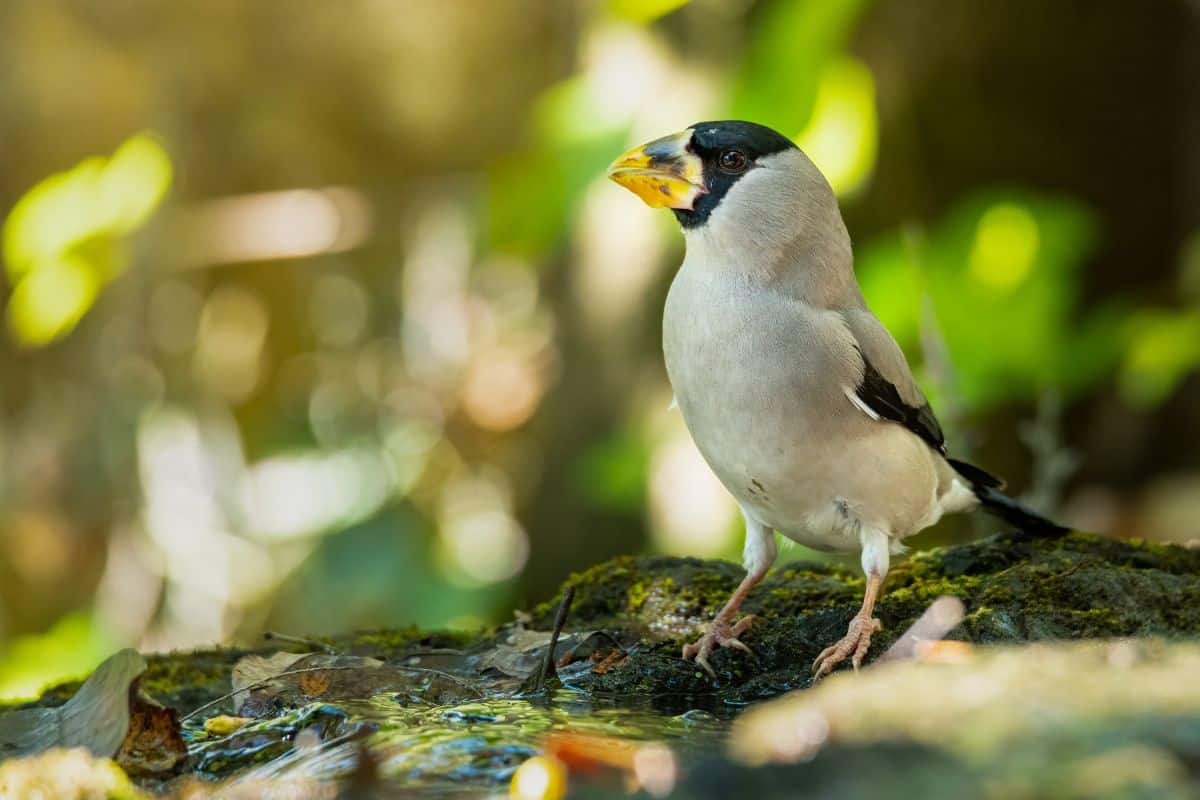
(610, 662)
(315, 684)
(154, 743)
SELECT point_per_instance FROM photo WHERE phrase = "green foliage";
(842, 137)
(1001, 274)
(63, 240)
(613, 473)
(532, 195)
(71, 648)
(793, 41)
(379, 572)
(643, 11)
(1163, 348)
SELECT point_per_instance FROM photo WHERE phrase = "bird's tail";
(987, 488)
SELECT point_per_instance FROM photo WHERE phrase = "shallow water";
(470, 747)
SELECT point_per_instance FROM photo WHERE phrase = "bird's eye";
(732, 161)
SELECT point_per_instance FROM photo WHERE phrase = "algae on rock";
(642, 609)
(1015, 588)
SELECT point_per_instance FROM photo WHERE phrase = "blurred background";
(320, 316)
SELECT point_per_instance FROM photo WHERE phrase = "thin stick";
(268, 679)
(283, 637)
(258, 683)
(560, 619)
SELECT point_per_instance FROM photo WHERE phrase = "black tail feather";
(978, 476)
(998, 504)
(1016, 513)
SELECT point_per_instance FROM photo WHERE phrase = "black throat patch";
(709, 141)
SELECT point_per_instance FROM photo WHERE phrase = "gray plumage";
(765, 345)
(794, 392)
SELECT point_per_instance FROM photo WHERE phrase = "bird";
(796, 395)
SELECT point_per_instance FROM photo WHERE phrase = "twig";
(560, 619)
(1054, 462)
(283, 637)
(257, 684)
(290, 672)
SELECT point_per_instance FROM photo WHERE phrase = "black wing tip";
(976, 475)
(882, 396)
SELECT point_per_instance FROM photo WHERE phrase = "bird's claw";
(719, 634)
(855, 643)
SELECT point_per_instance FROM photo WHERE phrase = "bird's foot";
(855, 643)
(719, 634)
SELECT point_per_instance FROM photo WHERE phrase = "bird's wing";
(887, 389)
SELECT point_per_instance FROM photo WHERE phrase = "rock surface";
(631, 616)
(1015, 589)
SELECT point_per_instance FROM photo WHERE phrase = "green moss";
(1015, 589)
(391, 644)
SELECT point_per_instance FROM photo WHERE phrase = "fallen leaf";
(519, 655)
(315, 684)
(95, 718)
(265, 685)
(289, 679)
(154, 743)
(251, 670)
(610, 662)
(510, 661)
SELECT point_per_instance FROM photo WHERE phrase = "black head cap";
(729, 149)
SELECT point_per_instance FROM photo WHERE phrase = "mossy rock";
(1015, 589)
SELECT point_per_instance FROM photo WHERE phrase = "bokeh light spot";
(50, 300)
(842, 137)
(60, 241)
(539, 778)
(1006, 247)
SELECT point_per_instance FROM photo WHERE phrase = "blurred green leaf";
(1002, 271)
(842, 137)
(891, 283)
(793, 41)
(613, 474)
(1163, 347)
(48, 302)
(70, 649)
(59, 241)
(532, 195)
(643, 11)
(379, 573)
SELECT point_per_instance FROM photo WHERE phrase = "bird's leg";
(758, 555)
(857, 640)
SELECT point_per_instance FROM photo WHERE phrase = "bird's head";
(734, 183)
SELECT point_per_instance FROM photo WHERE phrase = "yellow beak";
(663, 172)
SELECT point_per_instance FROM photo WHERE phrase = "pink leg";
(857, 640)
(722, 631)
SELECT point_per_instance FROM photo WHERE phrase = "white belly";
(752, 376)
